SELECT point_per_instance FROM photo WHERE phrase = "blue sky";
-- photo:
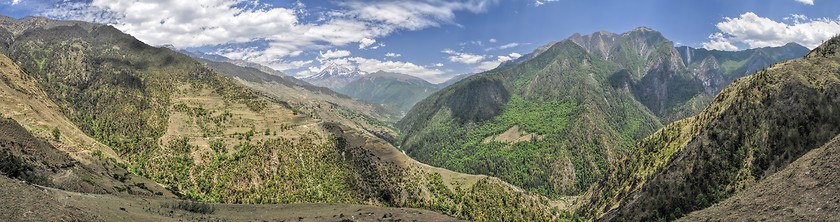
(434, 39)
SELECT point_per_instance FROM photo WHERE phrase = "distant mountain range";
(398, 91)
(334, 76)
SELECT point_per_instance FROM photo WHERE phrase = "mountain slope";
(548, 124)
(806, 190)
(398, 91)
(206, 137)
(56, 152)
(316, 102)
(752, 129)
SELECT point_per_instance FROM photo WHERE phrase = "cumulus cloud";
(330, 54)
(807, 2)
(718, 41)
(391, 54)
(462, 57)
(365, 42)
(492, 40)
(754, 31)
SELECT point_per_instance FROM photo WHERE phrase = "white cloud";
(15, 2)
(488, 65)
(330, 54)
(411, 15)
(754, 31)
(807, 2)
(462, 57)
(391, 54)
(509, 45)
(438, 64)
(492, 41)
(365, 42)
(503, 47)
(539, 3)
(478, 43)
(719, 42)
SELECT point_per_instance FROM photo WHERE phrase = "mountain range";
(554, 121)
(99, 126)
(395, 90)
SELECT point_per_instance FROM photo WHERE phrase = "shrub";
(195, 207)
(56, 134)
(13, 166)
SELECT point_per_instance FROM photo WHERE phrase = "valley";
(589, 98)
(416, 111)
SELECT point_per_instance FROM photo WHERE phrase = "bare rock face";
(709, 73)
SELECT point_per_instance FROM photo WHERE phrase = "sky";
(433, 39)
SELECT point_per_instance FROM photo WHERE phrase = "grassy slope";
(313, 101)
(579, 122)
(755, 127)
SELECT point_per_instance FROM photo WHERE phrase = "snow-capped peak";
(334, 70)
